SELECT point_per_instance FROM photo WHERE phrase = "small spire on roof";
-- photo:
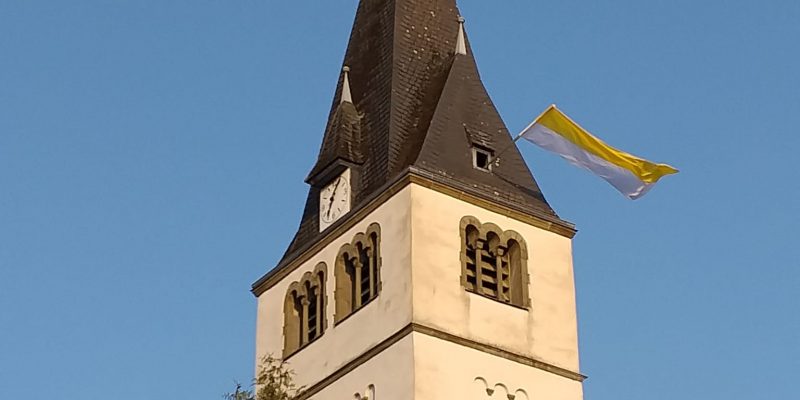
(461, 44)
(347, 96)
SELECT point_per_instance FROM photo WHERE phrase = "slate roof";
(417, 106)
(343, 140)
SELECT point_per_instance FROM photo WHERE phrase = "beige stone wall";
(421, 282)
(378, 320)
(444, 370)
(547, 332)
(391, 372)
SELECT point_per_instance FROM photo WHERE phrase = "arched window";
(304, 311)
(358, 272)
(292, 314)
(519, 276)
(471, 250)
(491, 283)
(494, 262)
(311, 304)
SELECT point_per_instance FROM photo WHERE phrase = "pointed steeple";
(417, 106)
(342, 142)
(461, 42)
(347, 97)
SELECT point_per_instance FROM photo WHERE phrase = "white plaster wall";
(378, 320)
(445, 370)
(548, 332)
(391, 372)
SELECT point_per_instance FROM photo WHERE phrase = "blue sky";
(152, 156)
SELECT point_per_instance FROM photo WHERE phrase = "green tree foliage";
(274, 381)
(239, 394)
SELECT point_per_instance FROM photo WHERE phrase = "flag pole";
(524, 131)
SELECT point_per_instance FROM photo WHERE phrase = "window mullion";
(372, 273)
(320, 311)
(304, 321)
(498, 265)
(479, 267)
(357, 282)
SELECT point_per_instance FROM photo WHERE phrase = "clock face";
(334, 201)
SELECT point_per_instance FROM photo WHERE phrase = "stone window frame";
(296, 328)
(510, 257)
(348, 290)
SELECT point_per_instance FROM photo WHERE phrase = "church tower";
(427, 264)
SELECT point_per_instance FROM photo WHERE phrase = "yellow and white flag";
(631, 175)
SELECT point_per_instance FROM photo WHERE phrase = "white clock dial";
(334, 201)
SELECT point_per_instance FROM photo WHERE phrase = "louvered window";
(312, 329)
(493, 263)
(304, 312)
(358, 273)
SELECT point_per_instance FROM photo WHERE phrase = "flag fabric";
(631, 175)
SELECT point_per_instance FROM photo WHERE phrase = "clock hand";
(333, 196)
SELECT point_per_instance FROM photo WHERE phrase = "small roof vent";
(482, 159)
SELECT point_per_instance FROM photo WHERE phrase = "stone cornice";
(441, 335)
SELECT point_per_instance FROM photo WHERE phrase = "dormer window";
(482, 159)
